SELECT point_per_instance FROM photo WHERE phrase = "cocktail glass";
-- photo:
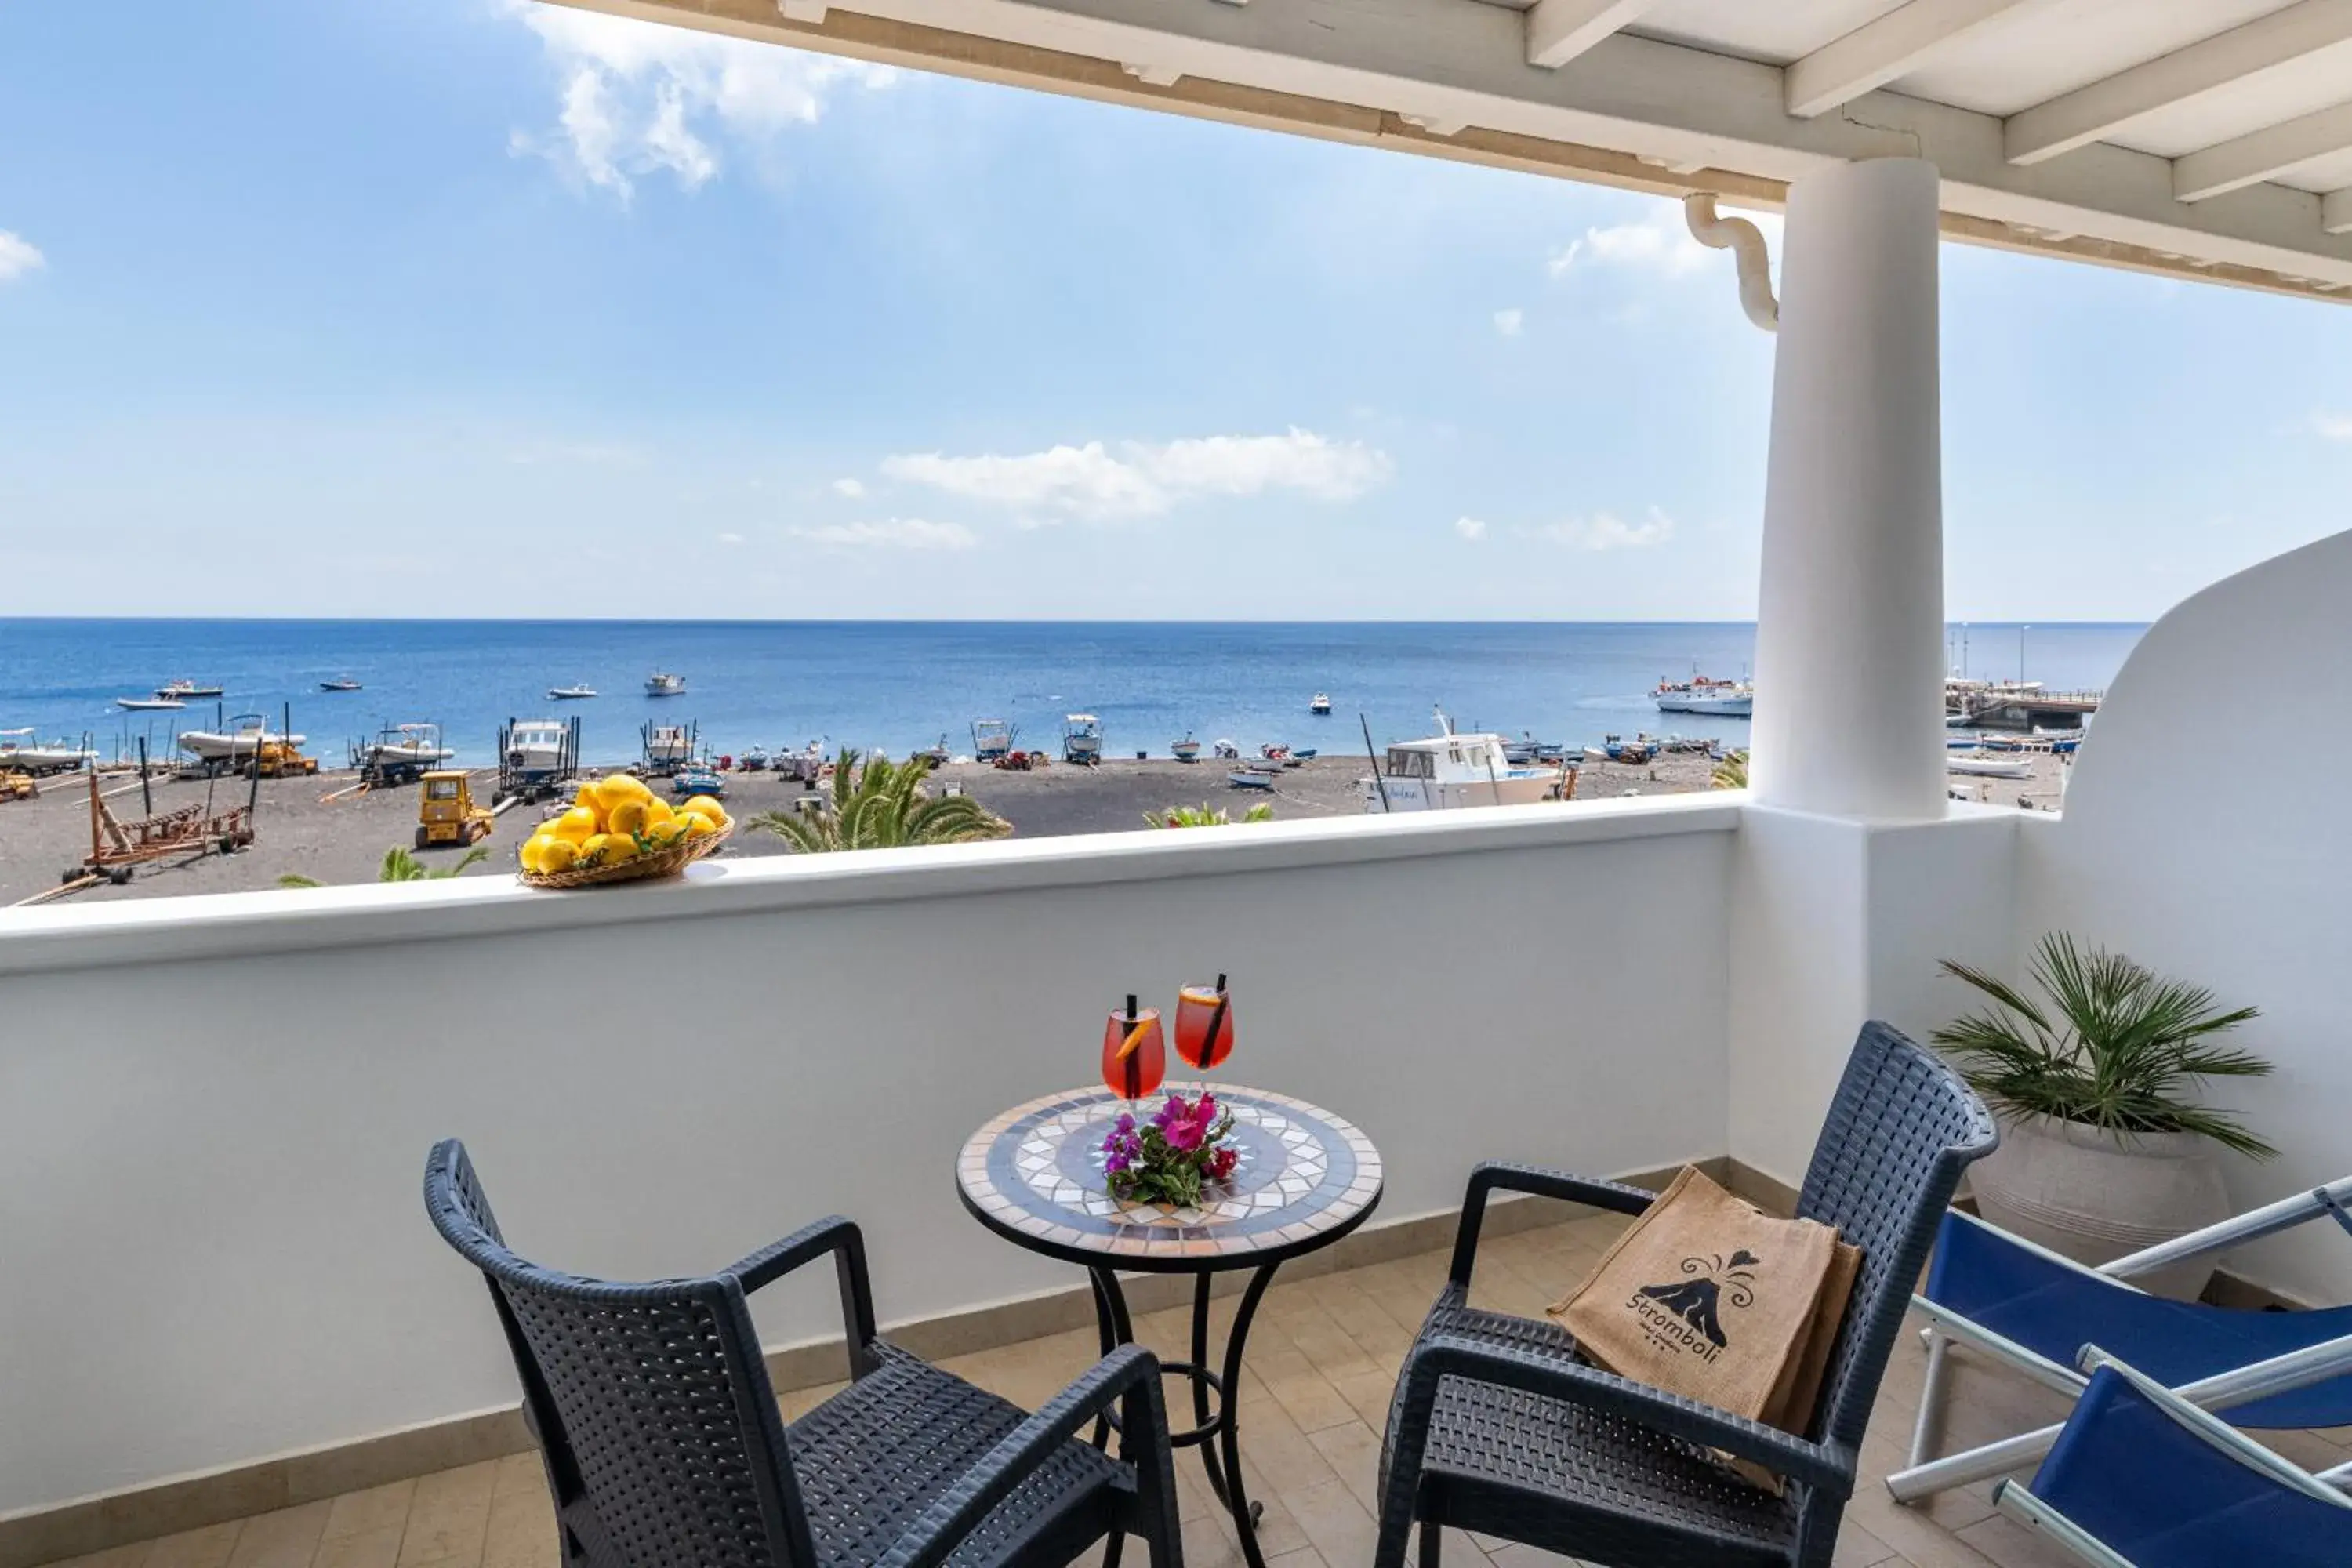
(1204, 1024)
(1134, 1054)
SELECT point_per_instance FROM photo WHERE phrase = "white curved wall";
(2244, 890)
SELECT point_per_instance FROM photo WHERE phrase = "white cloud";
(853, 489)
(640, 97)
(730, 538)
(1470, 528)
(898, 533)
(1660, 244)
(1606, 530)
(18, 256)
(1144, 480)
(1508, 322)
(2327, 427)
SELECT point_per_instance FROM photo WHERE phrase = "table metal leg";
(1111, 1328)
(1245, 1512)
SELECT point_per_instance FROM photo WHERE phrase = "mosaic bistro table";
(1305, 1178)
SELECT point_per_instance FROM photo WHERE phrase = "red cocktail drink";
(1204, 1024)
(1134, 1056)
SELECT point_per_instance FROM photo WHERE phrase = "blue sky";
(478, 307)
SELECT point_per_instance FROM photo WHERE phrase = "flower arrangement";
(1166, 1159)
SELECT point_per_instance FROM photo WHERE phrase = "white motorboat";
(1701, 694)
(1983, 766)
(570, 693)
(991, 739)
(1321, 704)
(148, 704)
(1082, 739)
(341, 683)
(1252, 778)
(1187, 749)
(402, 746)
(538, 748)
(233, 745)
(661, 683)
(668, 745)
(1448, 770)
(20, 752)
(184, 689)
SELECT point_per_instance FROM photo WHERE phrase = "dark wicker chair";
(664, 1449)
(1499, 1427)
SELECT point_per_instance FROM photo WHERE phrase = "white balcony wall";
(2242, 891)
(213, 1112)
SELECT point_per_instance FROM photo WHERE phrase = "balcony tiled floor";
(1323, 1358)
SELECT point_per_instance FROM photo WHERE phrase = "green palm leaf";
(882, 805)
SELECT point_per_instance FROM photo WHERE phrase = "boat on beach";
(250, 734)
(1985, 765)
(1187, 749)
(1252, 778)
(935, 755)
(1448, 770)
(19, 752)
(668, 745)
(148, 704)
(662, 683)
(1527, 750)
(1082, 739)
(1704, 695)
(187, 689)
(570, 693)
(991, 740)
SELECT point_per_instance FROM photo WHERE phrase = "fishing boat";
(538, 748)
(1702, 694)
(1985, 765)
(400, 748)
(184, 689)
(1320, 705)
(251, 733)
(570, 693)
(21, 753)
(1617, 749)
(1286, 756)
(1082, 739)
(1447, 770)
(1527, 750)
(1252, 778)
(753, 759)
(698, 781)
(935, 755)
(668, 745)
(1224, 750)
(991, 740)
(662, 683)
(341, 683)
(1187, 749)
(148, 704)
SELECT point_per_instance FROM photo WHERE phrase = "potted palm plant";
(2108, 1145)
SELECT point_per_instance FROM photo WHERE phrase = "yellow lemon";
(533, 849)
(610, 849)
(708, 807)
(661, 835)
(627, 816)
(658, 810)
(615, 788)
(557, 854)
(577, 825)
(696, 824)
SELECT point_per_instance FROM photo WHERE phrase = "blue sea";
(899, 685)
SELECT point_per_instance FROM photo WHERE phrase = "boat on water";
(185, 689)
(662, 683)
(20, 752)
(570, 693)
(1985, 765)
(991, 740)
(1252, 778)
(1082, 739)
(341, 683)
(148, 704)
(399, 749)
(1448, 770)
(1320, 705)
(1187, 749)
(250, 733)
(1706, 695)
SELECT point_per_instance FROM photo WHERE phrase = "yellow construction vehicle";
(277, 759)
(15, 785)
(446, 812)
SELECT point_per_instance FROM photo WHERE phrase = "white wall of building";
(213, 1112)
(2245, 891)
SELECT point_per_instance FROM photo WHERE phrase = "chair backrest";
(652, 1403)
(1902, 1129)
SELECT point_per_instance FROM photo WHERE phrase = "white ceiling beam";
(2093, 113)
(1877, 52)
(1559, 30)
(2250, 159)
(2336, 212)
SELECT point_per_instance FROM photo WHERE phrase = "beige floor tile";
(2013, 1545)
(1857, 1548)
(1341, 1528)
(134, 1555)
(288, 1537)
(205, 1548)
(365, 1549)
(1353, 1452)
(450, 1516)
(372, 1512)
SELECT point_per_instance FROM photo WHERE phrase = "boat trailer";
(115, 846)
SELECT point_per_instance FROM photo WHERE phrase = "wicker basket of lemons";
(617, 830)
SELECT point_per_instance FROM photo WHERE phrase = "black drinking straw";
(1134, 1067)
(1217, 1022)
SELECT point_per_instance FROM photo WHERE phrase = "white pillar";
(1850, 620)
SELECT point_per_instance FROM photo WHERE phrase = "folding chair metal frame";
(2016, 1500)
(1924, 1476)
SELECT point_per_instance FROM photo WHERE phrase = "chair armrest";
(1129, 1373)
(1615, 1196)
(1826, 1467)
(847, 1244)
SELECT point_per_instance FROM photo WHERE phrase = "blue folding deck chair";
(2032, 1310)
(2142, 1478)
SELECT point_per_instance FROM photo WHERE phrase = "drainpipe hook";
(1745, 243)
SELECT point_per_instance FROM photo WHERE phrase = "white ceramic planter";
(2095, 1196)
